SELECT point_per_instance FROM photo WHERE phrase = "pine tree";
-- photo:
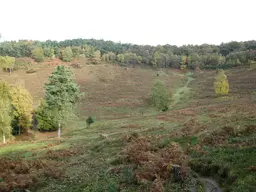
(221, 84)
(61, 96)
(46, 118)
(160, 96)
(5, 111)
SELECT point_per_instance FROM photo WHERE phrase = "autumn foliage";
(155, 164)
(221, 85)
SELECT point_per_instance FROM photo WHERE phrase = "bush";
(89, 121)
(160, 97)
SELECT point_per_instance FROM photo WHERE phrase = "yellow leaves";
(22, 101)
(221, 84)
(5, 108)
(7, 62)
(4, 90)
(184, 60)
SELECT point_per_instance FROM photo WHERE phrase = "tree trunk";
(59, 132)
(4, 139)
(19, 129)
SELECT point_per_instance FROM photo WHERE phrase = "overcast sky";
(154, 22)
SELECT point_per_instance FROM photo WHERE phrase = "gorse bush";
(221, 85)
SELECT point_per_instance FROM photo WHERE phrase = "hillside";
(131, 146)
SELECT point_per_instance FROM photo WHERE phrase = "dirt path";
(209, 186)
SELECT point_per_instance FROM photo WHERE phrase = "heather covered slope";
(131, 146)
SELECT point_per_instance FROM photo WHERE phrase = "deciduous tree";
(22, 104)
(7, 63)
(221, 84)
(5, 111)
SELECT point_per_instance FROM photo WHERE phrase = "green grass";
(13, 150)
(182, 93)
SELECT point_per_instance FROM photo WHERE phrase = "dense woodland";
(225, 55)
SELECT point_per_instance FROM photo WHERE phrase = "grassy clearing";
(182, 93)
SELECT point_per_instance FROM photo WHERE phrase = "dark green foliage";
(89, 121)
(45, 118)
(59, 101)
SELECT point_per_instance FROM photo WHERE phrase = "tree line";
(205, 56)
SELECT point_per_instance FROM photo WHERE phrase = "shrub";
(221, 84)
(89, 121)
(160, 97)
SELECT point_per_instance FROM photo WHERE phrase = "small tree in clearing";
(160, 97)
(89, 121)
(221, 85)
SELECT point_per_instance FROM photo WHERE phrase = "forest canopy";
(205, 56)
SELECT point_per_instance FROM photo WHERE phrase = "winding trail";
(180, 92)
(209, 185)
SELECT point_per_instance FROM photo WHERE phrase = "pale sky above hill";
(175, 22)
